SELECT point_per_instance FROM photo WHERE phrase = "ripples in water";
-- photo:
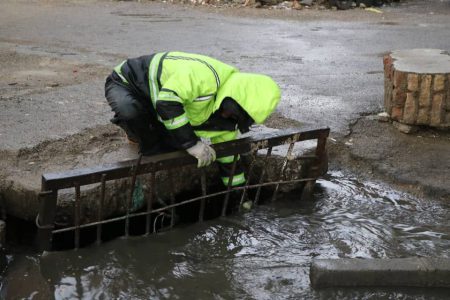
(262, 254)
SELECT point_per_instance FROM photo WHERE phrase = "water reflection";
(263, 254)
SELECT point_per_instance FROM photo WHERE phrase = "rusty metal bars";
(77, 215)
(101, 202)
(283, 169)
(172, 202)
(132, 215)
(201, 212)
(173, 160)
(130, 195)
(51, 183)
(229, 185)
(263, 173)
(247, 181)
(150, 202)
(45, 218)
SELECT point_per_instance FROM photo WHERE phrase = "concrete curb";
(413, 272)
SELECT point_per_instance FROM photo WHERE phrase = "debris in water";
(374, 10)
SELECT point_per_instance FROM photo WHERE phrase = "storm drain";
(260, 147)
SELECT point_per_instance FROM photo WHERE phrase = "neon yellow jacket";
(186, 89)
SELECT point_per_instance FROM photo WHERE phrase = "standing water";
(261, 254)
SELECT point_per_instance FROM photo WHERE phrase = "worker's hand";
(204, 154)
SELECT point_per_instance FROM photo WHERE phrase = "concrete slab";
(416, 272)
(422, 61)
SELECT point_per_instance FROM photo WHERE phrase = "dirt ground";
(24, 74)
(54, 74)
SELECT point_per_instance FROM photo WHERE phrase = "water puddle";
(262, 254)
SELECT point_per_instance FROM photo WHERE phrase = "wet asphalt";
(328, 63)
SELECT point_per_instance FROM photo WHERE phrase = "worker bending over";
(168, 101)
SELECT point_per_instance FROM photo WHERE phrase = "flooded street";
(55, 56)
(262, 254)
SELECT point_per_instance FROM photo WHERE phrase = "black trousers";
(137, 117)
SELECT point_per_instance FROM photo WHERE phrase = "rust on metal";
(134, 173)
(261, 178)
(283, 169)
(172, 201)
(77, 215)
(100, 208)
(51, 183)
(174, 159)
(247, 181)
(201, 213)
(229, 185)
(151, 195)
(160, 210)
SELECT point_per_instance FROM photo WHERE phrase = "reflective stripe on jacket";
(182, 89)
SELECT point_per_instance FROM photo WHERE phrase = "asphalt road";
(328, 63)
(54, 57)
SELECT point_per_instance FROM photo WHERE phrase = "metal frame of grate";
(53, 182)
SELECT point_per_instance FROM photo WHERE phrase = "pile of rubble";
(293, 4)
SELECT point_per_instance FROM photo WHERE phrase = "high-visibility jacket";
(185, 89)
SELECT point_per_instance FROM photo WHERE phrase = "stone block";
(439, 83)
(399, 79)
(413, 82)
(437, 110)
(398, 97)
(425, 94)
(410, 110)
(423, 116)
(418, 75)
(397, 113)
(388, 95)
(387, 62)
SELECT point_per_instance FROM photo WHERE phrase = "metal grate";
(51, 183)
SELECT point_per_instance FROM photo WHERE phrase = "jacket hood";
(257, 94)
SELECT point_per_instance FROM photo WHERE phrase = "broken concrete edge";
(364, 168)
(28, 206)
(395, 272)
(341, 158)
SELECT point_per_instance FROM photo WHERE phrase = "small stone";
(405, 128)
(247, 205)
(296, 5)
(383, 117)
(306, 2)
